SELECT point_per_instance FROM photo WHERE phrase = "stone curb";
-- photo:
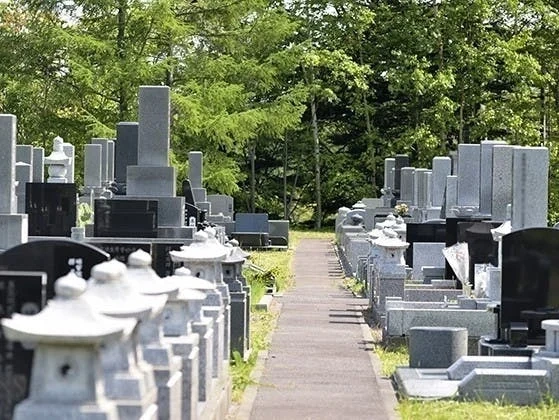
(384, 384)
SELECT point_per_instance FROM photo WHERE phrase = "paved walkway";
(320, 366)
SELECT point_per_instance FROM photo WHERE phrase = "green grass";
(355, 286)
(455, 410)
(261, 326)
(396, 354)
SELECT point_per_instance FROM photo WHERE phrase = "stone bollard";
(66, 381)
(240, 317)
(130, 381)
(437, 347)
(167, 368)
(204, 259)
(201, 324)
(238, 252)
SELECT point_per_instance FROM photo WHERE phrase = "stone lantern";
(66, 381)
(130, 380)
(157, 352)
(57, 162)
(213, 308)
(389, 270)
(204, 258)
(187, 313)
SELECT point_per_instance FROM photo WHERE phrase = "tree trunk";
(253, 177)
(285, 209)
(121, 51)
(318, 221)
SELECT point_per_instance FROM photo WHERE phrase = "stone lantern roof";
(145, 278)
(68, 318)
(200, 250)
(113, 294)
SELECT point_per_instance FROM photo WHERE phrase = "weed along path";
(319, 365)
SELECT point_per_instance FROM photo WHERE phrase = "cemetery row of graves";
(458, 258)
(136, 311)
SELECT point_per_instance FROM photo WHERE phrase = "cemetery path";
(319, 365)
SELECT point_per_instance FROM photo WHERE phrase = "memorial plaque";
(21, 292)
(161, 260)
(530, 280)
(121, 251)
(125, 218)
(55, 257)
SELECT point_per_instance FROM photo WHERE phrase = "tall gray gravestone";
(14, 227)
(104, 143)
(24, 173)
(451, 195)
(407, 184)
(153, 177)
(486, 175)
(419, 187)
(38, 164)
(529, 187)
(69, 150)
(23, 176)
(468, 176)
(442, 167)
(389, 165)
(501, 193)
(195, 174)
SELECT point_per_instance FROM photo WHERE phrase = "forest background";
(295, 103)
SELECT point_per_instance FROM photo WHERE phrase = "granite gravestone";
(126, 152)
(530, 281)
(23, 292)
(423, 232)
(456, 234)
(486, 175)
(121, 250)
(54, 257)
(38, 164)
(529, 187)
(400, 161)
(13, 226)
(190, 209)
(51, 208)
(482, 248)
(126, 218)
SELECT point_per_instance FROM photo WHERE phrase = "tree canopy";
(295, 104)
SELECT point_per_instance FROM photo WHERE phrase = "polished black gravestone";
(190, 209)
(530, 281)
(55, 257)
(125, 218)
(21, 292)
(455, 233)
(162, 263)
(51, 208)
(121, 250)
(423, 232)
(482, 249)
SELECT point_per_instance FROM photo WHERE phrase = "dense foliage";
(295, 104)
